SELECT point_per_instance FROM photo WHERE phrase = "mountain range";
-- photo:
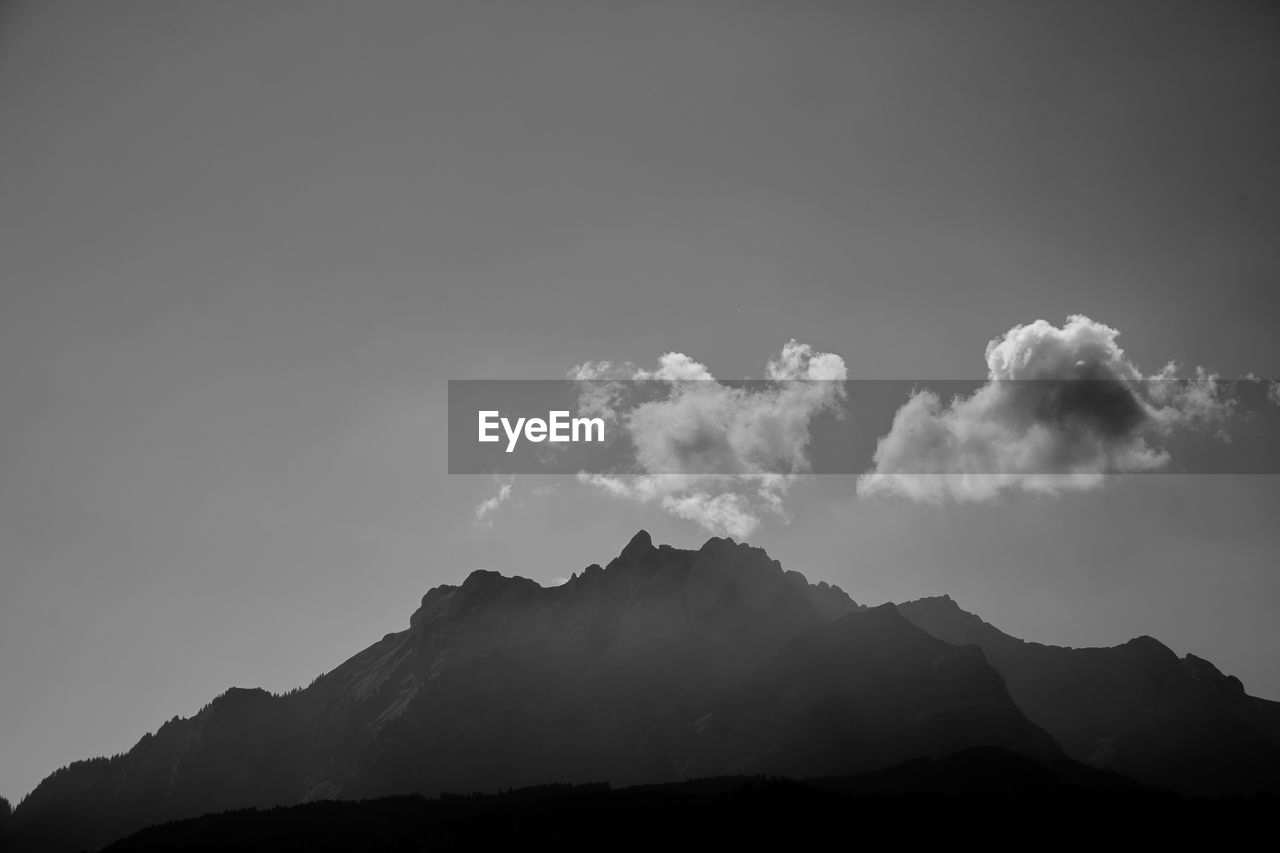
(668, 665)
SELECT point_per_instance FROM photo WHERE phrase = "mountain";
(665, 665)
(1135, 708)
(669, 665)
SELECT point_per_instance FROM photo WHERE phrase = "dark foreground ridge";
(666, 666)
(993, 795)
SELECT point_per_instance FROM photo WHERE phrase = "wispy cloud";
(486, 508)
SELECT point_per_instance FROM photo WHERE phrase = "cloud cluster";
(486, 508)
(1061, 408)
(720, 455)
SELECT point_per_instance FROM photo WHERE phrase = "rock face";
(667, 664)
(1135, 708)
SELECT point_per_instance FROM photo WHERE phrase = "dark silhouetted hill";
(985, 795)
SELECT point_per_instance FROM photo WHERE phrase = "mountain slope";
(1135, 708)
(863, 692)
(655, 668)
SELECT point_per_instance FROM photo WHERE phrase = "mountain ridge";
(1134, 707)
(665, 664)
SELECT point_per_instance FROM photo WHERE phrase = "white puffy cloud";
(722, 456)
(1061, 408)
(799, 361)
(674, 367)
(486, 508)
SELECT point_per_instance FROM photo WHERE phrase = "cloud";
(1203, 403)
(1061, 408)
(727, 513)
(1273, 392)
(723, 456)
(486, 508)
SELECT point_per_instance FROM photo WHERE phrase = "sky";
(244, 246)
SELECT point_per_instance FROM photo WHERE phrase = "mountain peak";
(482, 577)
(485, 583)
(1204, 671)
(1150, 645)
(715, 543)
(936, 601)
(641, 543)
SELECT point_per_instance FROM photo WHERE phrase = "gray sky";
(244, 246)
